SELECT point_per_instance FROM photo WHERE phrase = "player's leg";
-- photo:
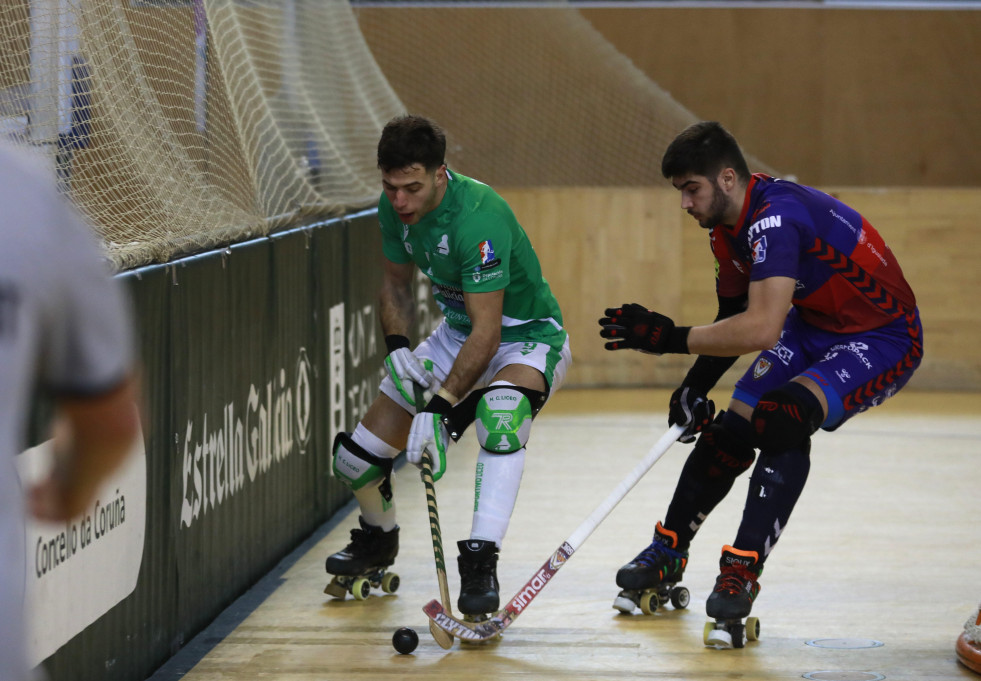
(784, 420)
(723, 451)
(780, 470)
(362, 461)
(847, 375)
(523, 376)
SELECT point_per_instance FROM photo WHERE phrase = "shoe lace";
(359, 540)
(734, 579)
(656, 553)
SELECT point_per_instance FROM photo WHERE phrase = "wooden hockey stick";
(443, 638)
(502, 619)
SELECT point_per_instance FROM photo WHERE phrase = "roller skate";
(364, 563)
(732, 600)
(650, 580)
(479, 589)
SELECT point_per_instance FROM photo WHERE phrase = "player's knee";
(785, 418)
(503, 419)
(356, 467)
(721, 452)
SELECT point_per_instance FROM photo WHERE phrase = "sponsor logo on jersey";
(452, 296)
(486, 276)
(842, 220)
(759, 250)
(762, 367)
(486, 253)
(443, 247)
(764, 224)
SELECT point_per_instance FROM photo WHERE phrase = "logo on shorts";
(763, 366)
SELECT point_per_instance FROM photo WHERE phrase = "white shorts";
(444, 344)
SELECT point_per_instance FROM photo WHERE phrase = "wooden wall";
(835, 96)
(602, 247)
(844, 97)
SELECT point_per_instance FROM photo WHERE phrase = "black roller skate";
(650, 580)
(479, 588)
(736, 588)
(363, 563)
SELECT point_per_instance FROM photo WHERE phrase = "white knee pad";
(503, 419)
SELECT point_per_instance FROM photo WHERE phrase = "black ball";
(405, 640)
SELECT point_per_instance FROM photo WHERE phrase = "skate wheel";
(360, 589)
(649, 602)
(714, 637)
(680, 597)
(753, 628)
(335, 589)
(390, 583)
(623, 603)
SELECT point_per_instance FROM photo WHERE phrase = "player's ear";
(440, 175)
(727, 178)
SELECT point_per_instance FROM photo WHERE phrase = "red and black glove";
(637, 328)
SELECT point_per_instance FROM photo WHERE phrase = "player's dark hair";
(407, 140)
(704, 148)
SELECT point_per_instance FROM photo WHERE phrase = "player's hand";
(690, 407)
(405, 368)
(635, 327)
(428, 435)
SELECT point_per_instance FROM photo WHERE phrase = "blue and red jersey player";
(805, 281)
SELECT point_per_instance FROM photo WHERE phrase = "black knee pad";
(786, 417)
(720, 453)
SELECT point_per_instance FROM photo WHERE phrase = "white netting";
(183, 124)
(179, 125)
(530, 96)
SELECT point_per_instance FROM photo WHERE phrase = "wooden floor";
(873, 579)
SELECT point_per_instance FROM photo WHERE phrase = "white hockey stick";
(502, 619)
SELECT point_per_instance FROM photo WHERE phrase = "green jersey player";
(495, 358)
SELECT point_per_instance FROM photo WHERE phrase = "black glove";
(638, 328)
(690, 407)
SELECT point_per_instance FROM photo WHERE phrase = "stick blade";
(443, 638)
(465, 631)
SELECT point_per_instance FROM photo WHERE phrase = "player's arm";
(758, 328)
(430, 430)
(633, 326)
(396, 303)
(397, 311)
(486, 311)
(93, 435)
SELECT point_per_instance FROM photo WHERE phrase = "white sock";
(375, 510)
(495, 491)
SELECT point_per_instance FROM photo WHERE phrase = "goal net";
(180, 125)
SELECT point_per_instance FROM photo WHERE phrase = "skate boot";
(479, 588)
(650, 580)
(363, 563)
(732, 600)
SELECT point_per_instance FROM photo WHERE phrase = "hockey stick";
(444, 639)
(502, 619)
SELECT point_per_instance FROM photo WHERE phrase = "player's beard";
(717, 209)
